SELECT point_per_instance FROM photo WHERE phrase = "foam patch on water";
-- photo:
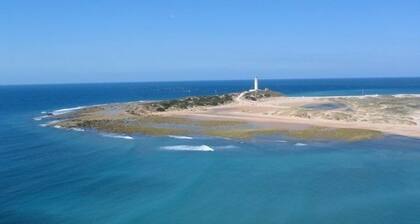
(300, 144)
(77, 129)
(202, 148)
(282, 141)
(118, 136)
(66, 110)
(51, 123)
(227, 147)
(180, 137)
(40, 118)
(406, 95)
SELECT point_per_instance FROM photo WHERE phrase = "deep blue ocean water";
(51, 175)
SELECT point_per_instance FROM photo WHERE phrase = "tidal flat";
(243, 116)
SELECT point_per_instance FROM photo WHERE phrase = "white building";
(255, 85)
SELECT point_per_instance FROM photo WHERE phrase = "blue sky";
(119, 41)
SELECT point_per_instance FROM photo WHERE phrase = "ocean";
(50, 175)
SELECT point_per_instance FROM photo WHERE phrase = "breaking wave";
(300, 144)
(40, 117)
(406, 95)
(227, 147)
(281, 141)
(203, 148)
(118, 136)
(180, 137)
(66, 110)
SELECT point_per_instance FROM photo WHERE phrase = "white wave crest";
(406, 95)
(77, 129)
(118, 136)
(203, 148)
(51, 123)
(40, 117)
(180, 137)
(66, 110)
(281, 141)
(227, 147)
(300, 144)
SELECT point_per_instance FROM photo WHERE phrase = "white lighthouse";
(255, 84)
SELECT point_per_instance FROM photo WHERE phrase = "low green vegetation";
(190, 102)
(260, 94)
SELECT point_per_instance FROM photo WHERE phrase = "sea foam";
(66, 110)
(40, 117)
(203, 148)
(300, 144)
(227, 147)
(180, 137)
(118, 136)
(281, 141)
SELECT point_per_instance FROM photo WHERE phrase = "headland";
(253, 113)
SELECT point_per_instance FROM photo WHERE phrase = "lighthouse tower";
(255, 84)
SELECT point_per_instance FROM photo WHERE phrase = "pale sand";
(278, 112)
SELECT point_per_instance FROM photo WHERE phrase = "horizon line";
(206, 80)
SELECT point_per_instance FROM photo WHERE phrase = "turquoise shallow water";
(56, 176)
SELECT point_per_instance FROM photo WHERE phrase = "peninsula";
(253, 113)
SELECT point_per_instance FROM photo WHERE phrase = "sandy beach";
(280, 112)
(249, 114)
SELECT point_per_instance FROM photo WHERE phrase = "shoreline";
(387, 129)
(397, 114)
